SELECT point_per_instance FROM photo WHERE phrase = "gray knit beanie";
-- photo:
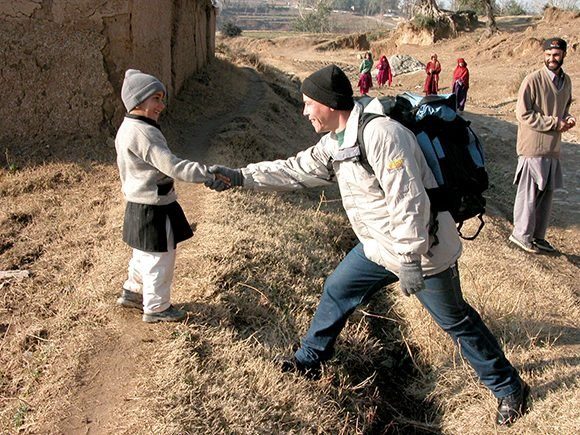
(329, 86)
(137, 87)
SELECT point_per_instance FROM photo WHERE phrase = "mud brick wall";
(62, 62)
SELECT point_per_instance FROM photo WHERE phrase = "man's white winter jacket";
(389, 210)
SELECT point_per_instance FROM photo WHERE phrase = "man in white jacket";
(389, 211)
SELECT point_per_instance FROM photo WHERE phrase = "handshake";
(224, 178)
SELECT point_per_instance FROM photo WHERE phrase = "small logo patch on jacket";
(393, 165)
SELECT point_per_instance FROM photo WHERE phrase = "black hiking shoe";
(292, 365)
(512, 407)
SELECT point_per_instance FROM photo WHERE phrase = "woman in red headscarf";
(432, 81)
(460, 83)
(384, 75)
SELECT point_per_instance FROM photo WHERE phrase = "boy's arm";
(160, 156)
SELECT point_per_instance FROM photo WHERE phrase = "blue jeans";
(357, 278)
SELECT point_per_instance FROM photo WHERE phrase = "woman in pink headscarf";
(432, 81)
(460, 83)
(384, 75)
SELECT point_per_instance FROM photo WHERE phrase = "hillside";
(72, 362)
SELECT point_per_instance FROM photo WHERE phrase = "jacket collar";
(351, 130)
(144, 119)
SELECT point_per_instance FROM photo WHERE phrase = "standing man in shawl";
(365, 80)
(460, 83)
(385, 74)
(542, 109)
(433, 70)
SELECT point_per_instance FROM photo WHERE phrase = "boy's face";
(151, 107)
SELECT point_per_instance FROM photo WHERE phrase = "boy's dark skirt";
(144, 226)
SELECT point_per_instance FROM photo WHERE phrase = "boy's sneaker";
(526, 246)
(512, 407)
(543, 245)
(129, 299)
(171, 314)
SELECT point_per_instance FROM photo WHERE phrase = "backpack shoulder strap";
(363, 120)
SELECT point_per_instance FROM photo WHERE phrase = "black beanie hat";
(329, 86)
(555, 43)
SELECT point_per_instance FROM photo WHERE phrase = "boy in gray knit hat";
(154, 222)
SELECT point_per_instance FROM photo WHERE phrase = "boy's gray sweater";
(147, 166)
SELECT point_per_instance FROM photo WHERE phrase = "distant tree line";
(367, 7)
(501, 7)
(314, 15)
(373, 7)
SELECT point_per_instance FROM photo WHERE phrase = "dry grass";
(251, 279)
(59, 222)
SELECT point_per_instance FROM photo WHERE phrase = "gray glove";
(411, 278)
(217, 185)
(234, 175)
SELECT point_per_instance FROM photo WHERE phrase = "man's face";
(554, 58)
(323, 118)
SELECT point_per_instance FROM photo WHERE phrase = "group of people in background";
(384, 74)
(459, 85)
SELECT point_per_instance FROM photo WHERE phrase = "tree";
(427, 7)
(481, 7)
(512, 7)
(316, 21)
(426, 14)
(491, 24)
(230, 30)
(478, 6)
(570, 5)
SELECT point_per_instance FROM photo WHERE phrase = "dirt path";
(502, 129)
(192, 138)
(109, 388)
